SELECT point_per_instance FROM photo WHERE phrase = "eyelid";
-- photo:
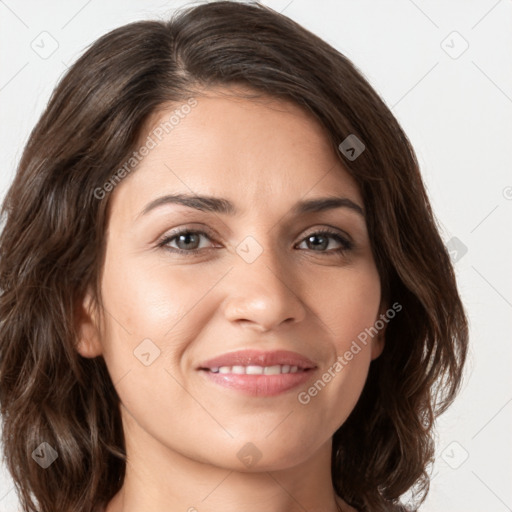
(188, 227)
(203, 230)
(328, 227)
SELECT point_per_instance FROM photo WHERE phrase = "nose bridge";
(263, 288)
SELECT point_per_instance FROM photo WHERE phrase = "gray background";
(455, 104)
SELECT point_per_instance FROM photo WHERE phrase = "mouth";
(257, 362)
(257, 370)
(257, 373)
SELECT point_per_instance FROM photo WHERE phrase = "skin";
(183, 432)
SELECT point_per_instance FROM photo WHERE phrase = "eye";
(319, 240)
(186, 239)
(188, 242)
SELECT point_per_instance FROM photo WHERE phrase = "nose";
(263, 294)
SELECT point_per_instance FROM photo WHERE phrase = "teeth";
(257, 370)
(252, 370)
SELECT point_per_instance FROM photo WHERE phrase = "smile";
(258, 381)
(257, 370)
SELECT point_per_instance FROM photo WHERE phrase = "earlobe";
(379, 340)
(378, 343)
(88, 342)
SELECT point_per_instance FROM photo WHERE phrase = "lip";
(259, 385)
(259, 358)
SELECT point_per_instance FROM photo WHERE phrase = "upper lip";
(259, 358)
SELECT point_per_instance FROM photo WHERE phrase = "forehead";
(255, 151)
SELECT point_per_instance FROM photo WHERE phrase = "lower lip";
(260, 385)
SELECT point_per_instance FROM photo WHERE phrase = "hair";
(53, 241)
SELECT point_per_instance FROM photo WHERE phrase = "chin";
(270, 455)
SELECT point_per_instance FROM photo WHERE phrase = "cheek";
(153, 312)
(152, 307)
(347, 302)
(348, 307)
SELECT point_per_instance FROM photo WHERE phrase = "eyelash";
(346, 244)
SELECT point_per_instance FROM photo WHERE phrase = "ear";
(88, 343)
(381, 322)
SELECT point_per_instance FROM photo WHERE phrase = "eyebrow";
(225, 206)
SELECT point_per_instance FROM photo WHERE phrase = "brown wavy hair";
(52, 247)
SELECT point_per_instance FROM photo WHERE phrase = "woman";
(296, 355)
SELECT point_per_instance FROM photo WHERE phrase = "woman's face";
(257, 276)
